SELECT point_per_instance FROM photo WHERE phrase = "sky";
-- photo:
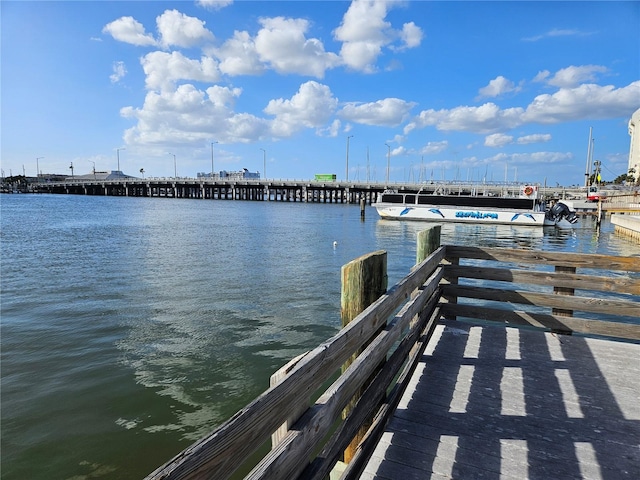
(416, 91)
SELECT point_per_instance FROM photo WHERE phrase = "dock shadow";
(518, 404)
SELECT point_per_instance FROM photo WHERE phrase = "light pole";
(118, 155)
(175, 168)
(212, 144)
(71, 168)
(350, 136)
(38, 168)
(388, 160)
(264, 162)
(94, 169)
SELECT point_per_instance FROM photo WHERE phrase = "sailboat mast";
(586, 175)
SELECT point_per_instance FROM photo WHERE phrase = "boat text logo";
(491, 215)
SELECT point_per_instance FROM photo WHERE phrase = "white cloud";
(587, 101)
(532, 159)
(432, 148)
(541, 76)
(386, 112)
(181, 30)
(497, 140)
(223, 97)
(556, 32)
(119, 71)
(365, 33)
(214, 4)
(498, 86)
(487, 118)
(572, 76)
(129, 30)
(311, 106)
(190, 115)
(332, 130)
(282, 44)
(399, 151)
(535, 138)
(411, 35)
(164, 69)
(238, 56)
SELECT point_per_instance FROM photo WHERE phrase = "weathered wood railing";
(391, 335)
(489, 271)
(627, 203)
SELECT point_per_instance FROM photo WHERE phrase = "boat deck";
(493, 402)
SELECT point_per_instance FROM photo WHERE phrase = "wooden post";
(364, 280)
(362, 202)
(428, 242)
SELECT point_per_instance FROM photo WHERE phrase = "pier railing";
(622, 202)
(312, 429)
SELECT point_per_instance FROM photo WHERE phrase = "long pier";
(220, 189)
(275, 190)
(480, 363)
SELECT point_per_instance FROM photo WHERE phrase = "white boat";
(526, 209)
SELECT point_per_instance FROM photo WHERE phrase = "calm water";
(133, 326)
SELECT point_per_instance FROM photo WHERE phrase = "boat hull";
(459, 214)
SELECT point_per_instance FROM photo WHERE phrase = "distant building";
(634, 149)
(113, 175)
(243, 174)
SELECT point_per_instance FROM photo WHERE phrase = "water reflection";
(508, 236)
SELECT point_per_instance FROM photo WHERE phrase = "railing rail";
(514, 287)
(560, 288)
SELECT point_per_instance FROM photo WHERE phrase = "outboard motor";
(560, 211)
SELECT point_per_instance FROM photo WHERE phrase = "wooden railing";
(622, 202)
(513, 287)
(562, 292)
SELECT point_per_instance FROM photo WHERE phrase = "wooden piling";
(428, 241)
(364, 280)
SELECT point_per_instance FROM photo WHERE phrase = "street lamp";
(388, 160)
(38, 167)
(212, 143)
(94, 169)
(175, 168)
(264, 162)
(118, 154)
(350, 136)
(71, 168)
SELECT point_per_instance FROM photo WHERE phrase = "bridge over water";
(276, 190)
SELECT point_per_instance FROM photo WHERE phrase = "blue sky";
(439, 90)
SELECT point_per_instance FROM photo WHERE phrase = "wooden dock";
(480, 363)
(489, 402)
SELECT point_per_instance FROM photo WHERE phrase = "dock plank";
(498, 403)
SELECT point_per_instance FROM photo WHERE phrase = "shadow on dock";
(490, 402)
